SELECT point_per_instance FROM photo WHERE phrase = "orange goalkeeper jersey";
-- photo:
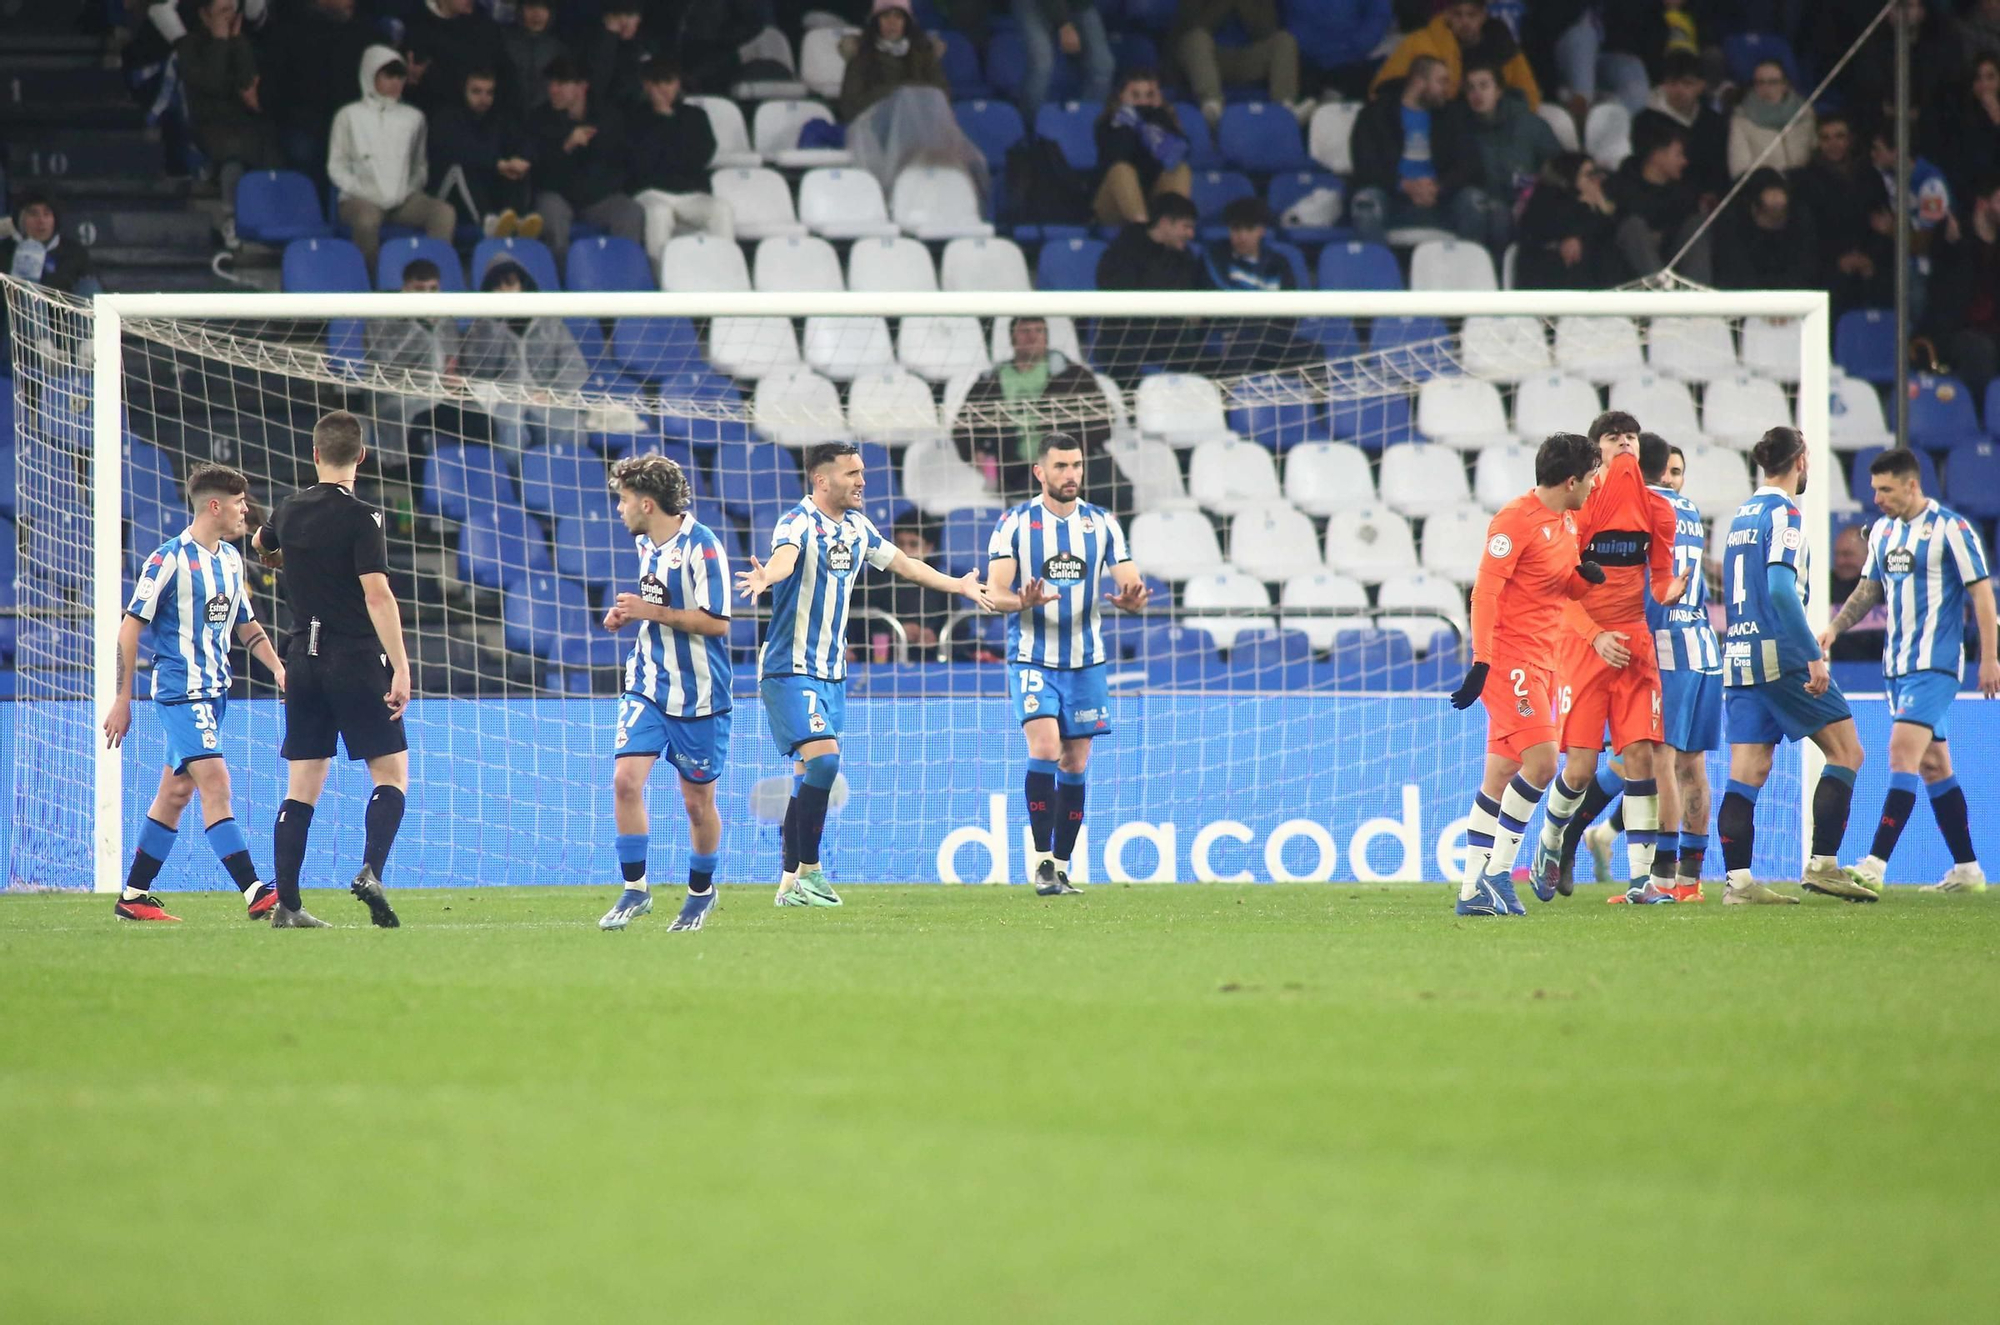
(1527, 575)
(1628, 529)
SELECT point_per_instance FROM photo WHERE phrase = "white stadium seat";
(1174, 545)
(1718, 479)
(1273, 541)
(1462, 412)
(937, 202)
(939, 348)
(955, 391)
(1736, 410)
(732, 135)
(1563, 126)
(1227, 587)
(821, 65)
(1114, 405)
(1062, 337)
(1771, 347)
(1661, 405)
(1453, 540)
(938, 482)
(1324, 588)
(1607, 134)
(843, 204)
(892, 406)
(1504, 349)
(1370, 544)
(1502, 473)
(1840, 498)
(846, 347)
(1453, 265)
(774, 46)
(1552, 403)
(1855, 419)
(1180, 409)
(1423, 598)
(1228, 475)
(1602, 349)
(1154, 472)
(984, 264)
(700, 264)
(1421, 477)
(753, 347)
(1691, 348)
(1325, 478)
(1330, 134)
(795, 264)
(798, 408)
(890, 266)
(759, 199)
(775, 134)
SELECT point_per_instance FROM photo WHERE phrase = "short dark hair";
(660, 69)
(1170, 207)
(564, 69)
(485, 71)
(1653, 133)
(1422, 65)
(1612, 421)
(1563, 456)
(394, 68)
(1676, 65)
(825, 453)
(421, 269)
(657, 477)
(1777, 451)
(1056, 441)
(1835, 117)
(620, 7)
(219, 479)
(1675, 450)
(1653, 456)
(1897, 460)
(1246, 213)
(337, 439)
(1483, 66)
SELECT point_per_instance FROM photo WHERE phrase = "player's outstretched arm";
(1859, 604)
(252, 637)
(763, 574)
(1132, 595)
(909, 568)
(1981, 593)
(119, 720)
(999, 595)
(387, 619)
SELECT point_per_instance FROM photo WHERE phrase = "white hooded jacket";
(377, 147)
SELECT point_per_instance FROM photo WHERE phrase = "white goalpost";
(1266, 723)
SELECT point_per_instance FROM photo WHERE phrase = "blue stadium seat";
(1203, 154)
(655, 347)
(1006, 63)
(675, 449)
(1261, 136)
(1132, 50)
(609, 263)
(702, 384)
(744, 640)
(532, 254)
(10, 557)
(1972, 479)
(1742, 51)
(1180, 656)
(1295, 258)
(962, 543)
(153, 523)
(558, 479)
(397, 254)
(501, 547)
(595, 547)
(1374, 423)
(324, 266)
(961, 66)
(8, 468)
(888, 512)
(993, 127)
(1213, 190)
(277, 206)
(1858, 479)
(1068, 264)
(1073, 127)
(1358, 266)
(879, 462)
(462, 475)
(1281, 424)
(1941, 414)
(149, 475)
(577, 654)
(1372, 660)
(1148, 15)
(1286, 189)
(1335, 335)
(1864, 344)
(754, 474)
(1412, 346)
(1987, 413)
(1270, 660)
(541, 610)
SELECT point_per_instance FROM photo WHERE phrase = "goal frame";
(1811, 310)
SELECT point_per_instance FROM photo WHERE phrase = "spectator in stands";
(1266, 53)
(893, 51)
(1337, 41)
(422, 347)
(377, 159)
(1938, 46)
(1413, 165)
(1511, 144)
(1659, 211)
(582, 160)
(615, 55)
(897, 104)
(1583, 47)
(1013, 390)
(531, 46)
(1981, 21)
(1245, 261)
(1963, 310)
(1930, 198)
(220, 71)
(1771, 118)
(1682, 98)
(672, 144)
(309, 61)
(1157, 255)
(1964, 135)
(1078, 29)
(712, 36)
(1568, 230)
(921, 611)
(1463, 35)
(1851, 216)
(1766, 241)
(536, 353)
(32, 247)
(484, 156)
(443, 41)
(1141, 149)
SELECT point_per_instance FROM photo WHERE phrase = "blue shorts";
(1078, 698)
(193, 729)
(698, 747)
(1692, 703)
(1781, 710)
(1921, 698)
(799, 709)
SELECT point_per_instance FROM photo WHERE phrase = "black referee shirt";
(330, 538)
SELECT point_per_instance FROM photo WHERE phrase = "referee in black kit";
(348, 672)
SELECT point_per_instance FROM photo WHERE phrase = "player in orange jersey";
(1610, 671)
(1529, 573)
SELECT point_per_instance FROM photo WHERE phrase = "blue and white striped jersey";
(1071, 553)
(1768, 530)
(808, 635)
(1923, 566)
(1682, 635)
(191, 600)
(686, 675)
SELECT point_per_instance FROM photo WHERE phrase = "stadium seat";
(1502, 473)
(1607, 134)
(1358, 266)
(1561, 124)
(557, 479)
(324, 266)
(1453, 540)
(541, 610)
(1270, 660)
(796, 264)
(1855, 417)
(1180, 655)
(1504, 349)
(1180, 409)
(893, 406)
(1174, 544)
(1737, 409)
(148, 474)
(1771, 347)
(1859, 479)
(1864, 344)
(595, 547)
(1277, 412)
(937, 203)
(531, 255)
(1006, 62)
(1322, 589)
(1225, 589)
(844, 347)
(1661, 404)
(1329, 134)
(983, 264)
(501, 547)
(462, 476)
(1228, 475)
(753, 347)
(1602, 349)
(843, 204)
(1718, 479)
(1840, 502)
(278, 206)
(1068, 264)
(760, 200)
(1373, 422)
(1335, 336)
(821, 65)
(1260, 136)
(1154, 472)
(397, 254)
(700, 264)
(961, 66)
(607, 262)
(732, 136)
(774, 132)
(1465, 413)
(1326, 478)
(1213, 190)
(1412, 348)
(938, 481)
(1742, 52)
(1420, 478)
(1273, 540)
(1073, 128)
(650, 348)
(1370, 544)
(893, 265)
(1972, 482)
(1062, 338)
(1418, 604)
(939, 348)
(1287, 190)
(1553, 403)
(769, 45)
(963, 538)
(1693, 349)
(797, 407)
(1941, 413)
(1452, 265)
(753, 476)
(993, 127)
(1203, 154)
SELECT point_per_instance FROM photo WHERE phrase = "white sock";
(127, 894)
(1740, 879)
(1642, 826)
(251, 891)
(1062, 866)
(1517, 806)
(1484, 823)
(1563, 804)
(640, 885)
(786, 880)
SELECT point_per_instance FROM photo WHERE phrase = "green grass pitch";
(1221, 1103)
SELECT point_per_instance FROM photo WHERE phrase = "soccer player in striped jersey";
(1064, 546)
(189, 603)
(1777, 686)
(676, 699)
(1926, 562)
(817, 552)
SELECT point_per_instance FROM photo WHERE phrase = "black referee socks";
(288, 848)
(385, 816)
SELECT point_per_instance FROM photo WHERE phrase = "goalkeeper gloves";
(1467, 693)
(1590, 571)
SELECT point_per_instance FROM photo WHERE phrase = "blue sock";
(156, 843)
(821, 770)
(701, 871)
(1040, 789)
(1609, 781)
(233, 850)
(632, 859)
(1069, 812)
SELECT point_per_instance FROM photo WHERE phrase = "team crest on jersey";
(1793, 537)
(653, 590)
(216, 610)
(1063, 568)
(1901, 561)
(1031, 705)
(815, 723)
(840, 558)
(1499, 546)
(677, 556)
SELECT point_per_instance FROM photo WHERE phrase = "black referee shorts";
(338, 694)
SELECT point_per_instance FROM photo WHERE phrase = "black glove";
(1468, 691)
(1590, 571)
